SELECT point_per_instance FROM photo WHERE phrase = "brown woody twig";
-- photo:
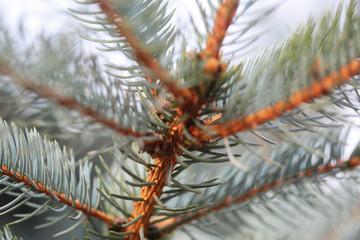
(145, 208)
(181, 94)
(224, 18)
(316, 90)
(62, 197)
(323, 169)
(67, 102)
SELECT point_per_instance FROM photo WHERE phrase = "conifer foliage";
(183, 137)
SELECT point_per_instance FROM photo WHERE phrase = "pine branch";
(67, 102)
(182, 95)
(186, 131)
(39, 187)
(40, 169)
(251, 121)
(210, 56)
(172, 223)
(224, 18)
(145, 208)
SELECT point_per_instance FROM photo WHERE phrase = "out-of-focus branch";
(224, 18)
(67, 102)
(182, 95)
(170, 224)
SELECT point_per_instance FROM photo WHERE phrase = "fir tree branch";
(170, 224)
(67, 102)
(224, 18)
(182, 95)
(145, 208)
(251, 121)
(61, 196)
(211, 58)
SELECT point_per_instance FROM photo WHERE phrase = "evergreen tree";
(185, 137)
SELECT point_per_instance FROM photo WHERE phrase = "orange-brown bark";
(224, 18)
(62, 197)
(146, 207)
(165, 161)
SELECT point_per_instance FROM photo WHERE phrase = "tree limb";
(170, 224)
(67, 102)
(224, 18)
(251, 121)
(61, 196)
(181, 94)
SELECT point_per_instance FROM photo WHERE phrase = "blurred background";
(48, 17)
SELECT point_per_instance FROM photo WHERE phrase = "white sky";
(52, 15)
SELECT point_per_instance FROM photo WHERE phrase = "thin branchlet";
(316, 90)
(69, 103)
(256, 191)
(223, 20)
(182, 95)
(61, 196)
